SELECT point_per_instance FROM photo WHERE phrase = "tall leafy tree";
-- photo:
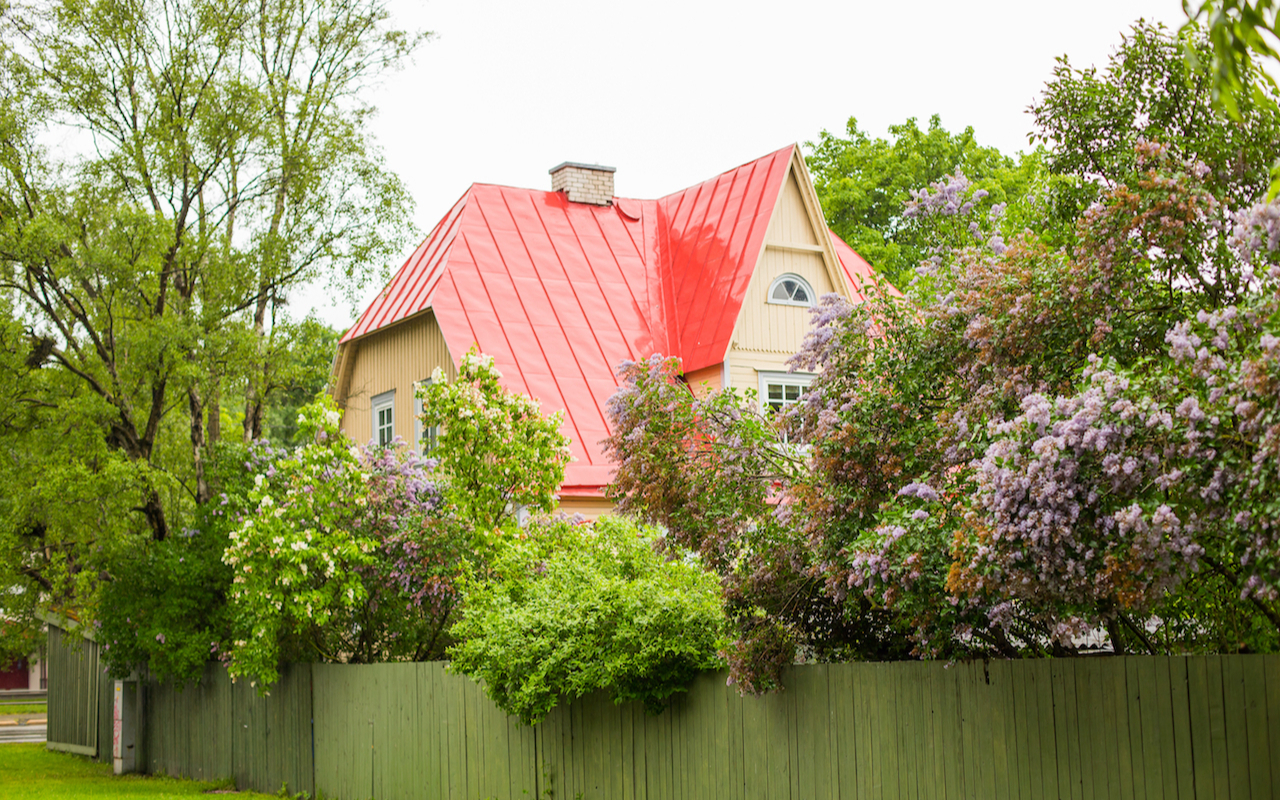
(1090, 119)
(864, 184)
(212, 157)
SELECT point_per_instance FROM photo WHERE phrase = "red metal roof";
(560, 293)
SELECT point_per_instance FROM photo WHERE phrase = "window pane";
(800, 295)
(775, 391)
(780, 292)
(793, 393)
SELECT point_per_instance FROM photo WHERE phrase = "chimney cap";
(596, 167)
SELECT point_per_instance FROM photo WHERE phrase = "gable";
(390, 360)
(796, 244)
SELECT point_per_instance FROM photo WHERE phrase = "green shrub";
(572, 608)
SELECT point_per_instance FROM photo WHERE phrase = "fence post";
(124, 727)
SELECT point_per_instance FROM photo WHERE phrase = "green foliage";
(497, 452)
(299, 373)
(1091, 120)
(569, 609)
(864, 184)
(709, 470)
(144, 280)
(296, 554)
(1237, 32)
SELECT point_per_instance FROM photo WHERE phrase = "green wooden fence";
(219, 729)
(1138, 727)
(79, 703)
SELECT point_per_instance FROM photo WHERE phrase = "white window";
(424, 439)
(791, 290)
(781, 389)
(384, 417)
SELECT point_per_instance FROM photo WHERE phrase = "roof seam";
(568, 417)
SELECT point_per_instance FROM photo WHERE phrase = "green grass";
(29, 771)
(29, 708)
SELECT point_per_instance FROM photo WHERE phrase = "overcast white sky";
(672, 92)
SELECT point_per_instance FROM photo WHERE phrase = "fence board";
(1255, 711)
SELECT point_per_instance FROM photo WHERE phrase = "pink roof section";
(560, 293)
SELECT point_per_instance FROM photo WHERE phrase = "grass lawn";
(31, 771)
(29, 708)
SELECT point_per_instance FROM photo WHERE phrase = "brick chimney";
(585, 183)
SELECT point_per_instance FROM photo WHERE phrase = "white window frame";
(801, 379)
(418, 431)
(791, 276)
(383, 402)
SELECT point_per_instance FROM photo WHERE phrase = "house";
(561, 286)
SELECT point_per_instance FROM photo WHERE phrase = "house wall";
(393, 358)
(768, 334)
(588, 506)
(707, 379)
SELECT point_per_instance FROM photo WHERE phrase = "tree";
(1090, 121)
(1237, 32)
(864, 184)
(708, 470)
(498, 454)
(339, 552)
(223, 160)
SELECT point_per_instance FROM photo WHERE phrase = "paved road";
(22, 733)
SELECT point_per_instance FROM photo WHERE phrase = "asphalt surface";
(34, 732)
(22, 728)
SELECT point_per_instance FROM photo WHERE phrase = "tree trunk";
(198, 444)
(213, 427)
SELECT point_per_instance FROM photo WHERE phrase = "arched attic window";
(791, 290)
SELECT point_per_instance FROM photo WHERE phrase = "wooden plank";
(863, 718)
(755, 756)
(1066, 724)
(990, 760)
(1133, 703)
(1183, 760)
(950, 745)
(1254, 683)
(736, 788)
(1026, 727)
(968, 738)
(809, 705)
(1271, 670)
(908, 728)
(1091, 696)
(1200, 728)
(1237, 727)
(840, 679)
(1155, 727)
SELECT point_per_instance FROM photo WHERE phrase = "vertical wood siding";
(1130, 727)
(389, 359)
(790, 222)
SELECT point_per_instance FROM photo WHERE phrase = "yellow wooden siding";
(790, 222)
(589, 507)
(705, 380)
(394, 358)
(772, 327)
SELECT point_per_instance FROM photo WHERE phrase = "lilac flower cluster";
(1072, 524)
(1256, 231)
(950, 197)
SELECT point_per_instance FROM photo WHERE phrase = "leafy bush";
(569, 609)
